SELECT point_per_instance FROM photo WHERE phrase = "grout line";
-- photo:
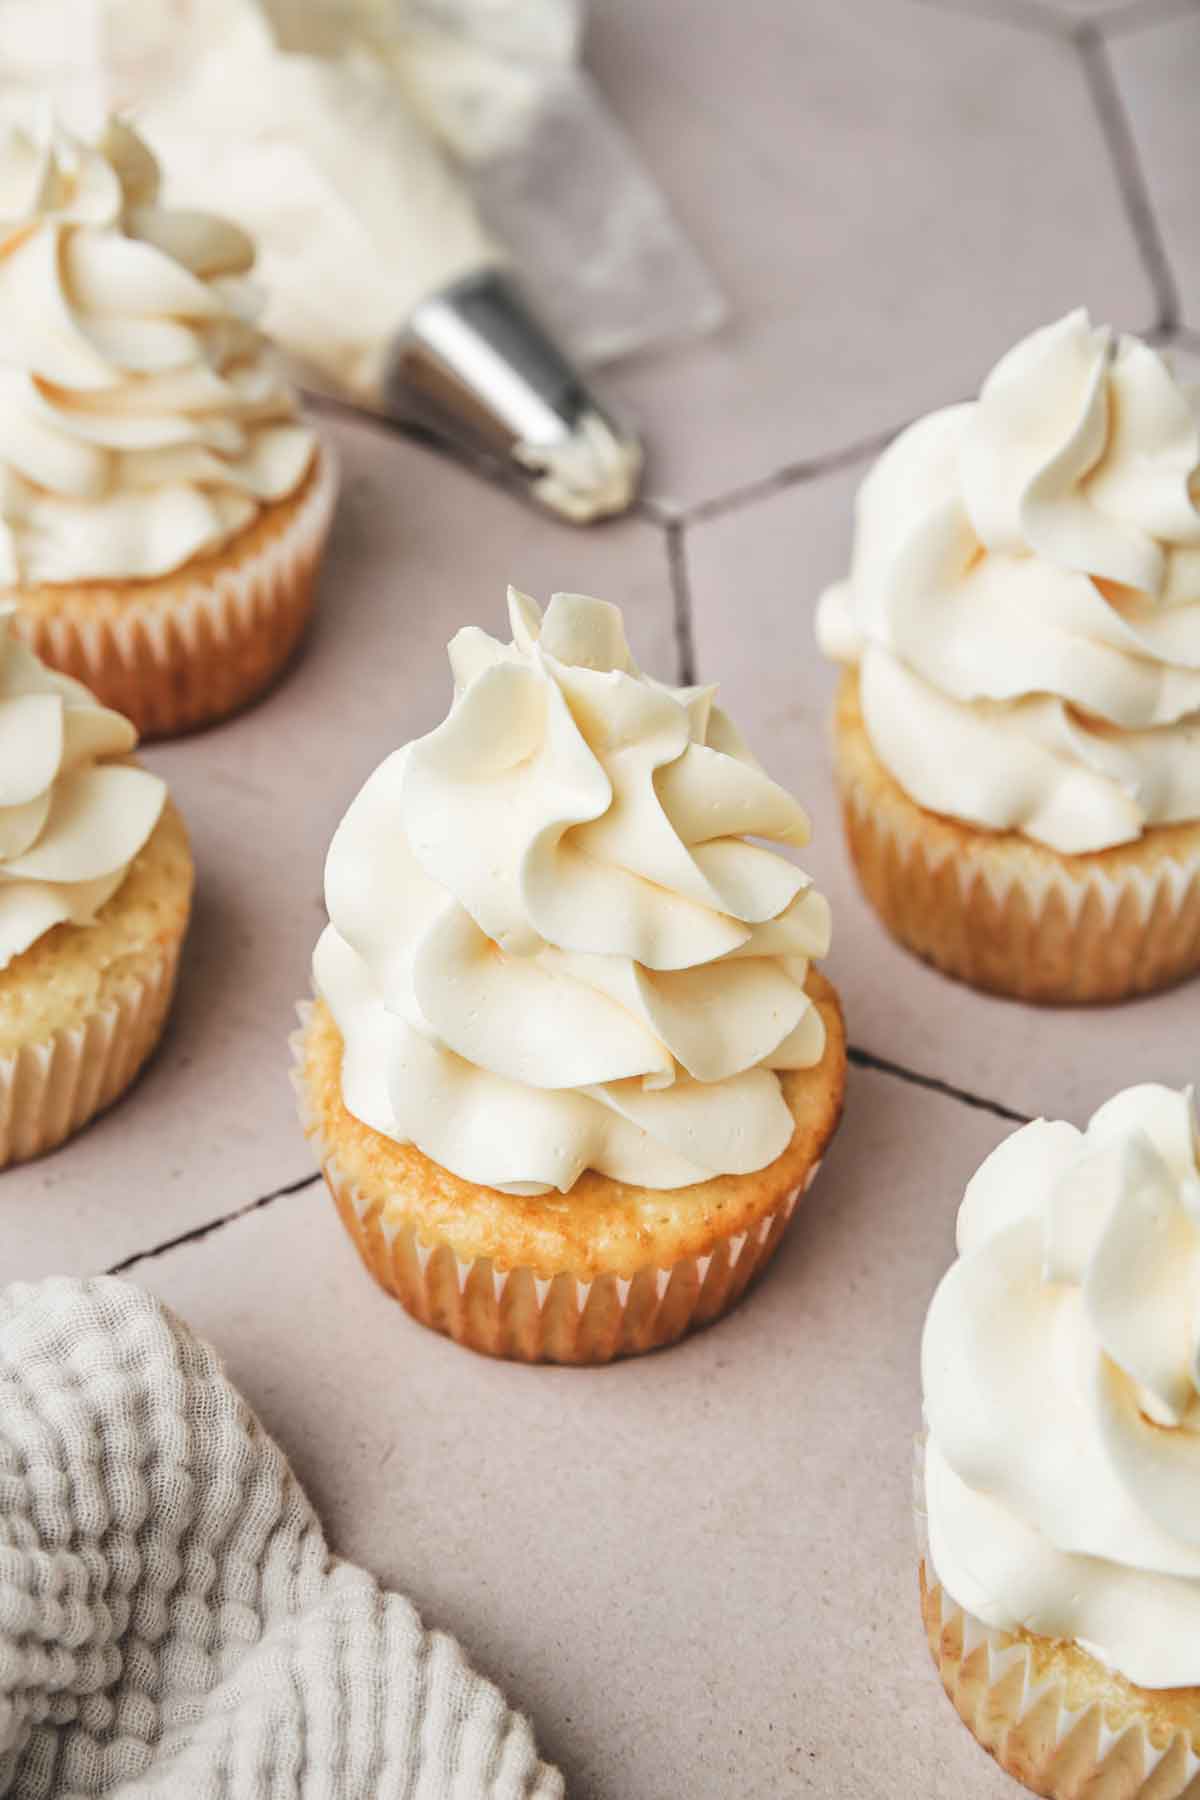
(791, 475)
(866, 1059)
(681, 594)
(653, 509)
(862, 1059)
(1131, 180)
(199, 1232)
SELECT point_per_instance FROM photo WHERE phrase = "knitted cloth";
(172, 1623)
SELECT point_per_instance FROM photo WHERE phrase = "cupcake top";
(141, 421)
(1024, 597)
(71, 819)
(1060, 1364)
(551, 947)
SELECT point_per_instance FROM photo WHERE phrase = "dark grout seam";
(681, 598)
(1127, 165)
(199, 1232)
(791, 475)
(673, 520)
(866, 1059)
(862, 1059)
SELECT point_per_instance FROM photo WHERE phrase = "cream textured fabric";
(172, 1623)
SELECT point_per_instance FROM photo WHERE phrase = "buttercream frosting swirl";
(71, 818)
(1061, 1363)
(1024, 597)
(141, 420)
(551, 945)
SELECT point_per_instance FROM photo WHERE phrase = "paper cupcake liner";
(1059, 1751)
(1037, 928)
(51, 1089)
(525, 1317)
(188, 651)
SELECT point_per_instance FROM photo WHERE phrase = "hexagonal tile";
(885, 191)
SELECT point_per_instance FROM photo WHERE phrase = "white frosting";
(1024, 597)
(1060, 1366)
(355, 211)
(552, 947)
(141, 421)
(71, 820)
(589, 475)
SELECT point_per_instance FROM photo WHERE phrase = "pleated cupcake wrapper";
(1050, 932)
(50, 1090)
(172, 665)
(1061, 1752)
(527, 1317)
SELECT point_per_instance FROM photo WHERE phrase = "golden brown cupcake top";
(553, 946)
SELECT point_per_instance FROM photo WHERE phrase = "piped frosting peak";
(553, 945)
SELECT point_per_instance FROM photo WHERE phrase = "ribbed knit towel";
(172, 1623)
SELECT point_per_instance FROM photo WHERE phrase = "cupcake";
(95, 891)
(1017, 731)
(162, 508)
(1061, 1582)
(570, 1067)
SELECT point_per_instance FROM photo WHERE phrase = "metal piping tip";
(475, 367)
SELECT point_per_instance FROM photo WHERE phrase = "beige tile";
(1158, 75)
(696, 1571)
(421, 547)
(755, 575)
(889, 194)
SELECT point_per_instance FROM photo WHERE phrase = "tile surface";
(695, 1570)
(1158, 76)
(420, 547)
(884, 190)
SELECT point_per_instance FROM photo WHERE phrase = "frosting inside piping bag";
(451, 225)
(1024, 600)
(380, 149)
(552, 946)
(71, 819)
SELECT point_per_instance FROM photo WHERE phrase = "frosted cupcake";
(162, 508)
(1061, 1586)
(1017, 733)
(95, 892)
(570, 1068)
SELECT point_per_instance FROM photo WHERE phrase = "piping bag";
(451, 227)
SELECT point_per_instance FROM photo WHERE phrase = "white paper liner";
(1170, 878)
(1135, 928)
(1061, 1752)
(173, 664)
(51, 1089)
(525, 1317)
